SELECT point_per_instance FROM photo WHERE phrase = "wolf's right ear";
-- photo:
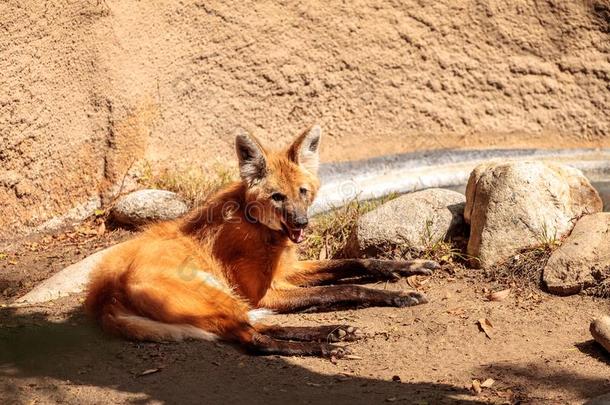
(251, 156)
(305, 150)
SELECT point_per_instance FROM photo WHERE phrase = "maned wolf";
(217, 271)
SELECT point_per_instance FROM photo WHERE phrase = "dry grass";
(194, 184)
(450, 252)
(329, 232)
(524, 270)
(442, 250)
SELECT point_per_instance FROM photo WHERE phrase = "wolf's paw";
(418, 267)
(408, 299)
(344, 333)
(338, 352)
(396, 269)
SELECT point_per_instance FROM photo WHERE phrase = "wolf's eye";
(303, 191)
(279, 197)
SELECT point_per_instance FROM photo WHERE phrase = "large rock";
(583, 259)
(416, 220)
(143, 206)
(515, 205)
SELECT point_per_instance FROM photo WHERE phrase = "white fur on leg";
(256, 315)
(148, 329)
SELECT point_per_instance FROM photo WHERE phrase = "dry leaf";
(499, 295)
(86, 231)
(150, 371)
(486, 326)
(488, 383)
(101, 229)
(476, 386)
(413, 282)
(456, 311)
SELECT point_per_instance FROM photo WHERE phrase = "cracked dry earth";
(537, 350)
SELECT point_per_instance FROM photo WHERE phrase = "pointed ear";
(305, 151)
(251, 156)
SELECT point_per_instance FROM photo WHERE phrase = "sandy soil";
(539, 351)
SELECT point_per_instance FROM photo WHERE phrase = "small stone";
(23, 189)
(9, 178)
(600, 330)
(396, 378)
(476, 386)
(144, 206)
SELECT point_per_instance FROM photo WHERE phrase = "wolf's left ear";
(305, 150)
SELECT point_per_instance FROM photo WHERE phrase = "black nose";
(301, 222)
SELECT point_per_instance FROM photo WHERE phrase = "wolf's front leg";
(323, 298)
(315, 272)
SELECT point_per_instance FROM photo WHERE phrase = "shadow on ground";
(71, 361)
(542, 377)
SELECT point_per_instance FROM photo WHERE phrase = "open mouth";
(297, 235)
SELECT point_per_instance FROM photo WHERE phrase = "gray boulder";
(414, 220)
(514, 205)
(144, 206)
(583, 259)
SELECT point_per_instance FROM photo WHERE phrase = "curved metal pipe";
(407, 172)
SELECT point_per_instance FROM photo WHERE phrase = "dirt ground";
(538, 351)
(92, 89)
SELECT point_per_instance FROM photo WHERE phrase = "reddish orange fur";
(153, 276)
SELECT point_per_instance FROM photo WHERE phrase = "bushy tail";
(106, 304)
(141, 328)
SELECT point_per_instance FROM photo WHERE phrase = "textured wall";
(88, 87)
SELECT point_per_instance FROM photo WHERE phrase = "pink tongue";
(297, 235)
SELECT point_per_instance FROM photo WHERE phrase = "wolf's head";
(280, 185)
